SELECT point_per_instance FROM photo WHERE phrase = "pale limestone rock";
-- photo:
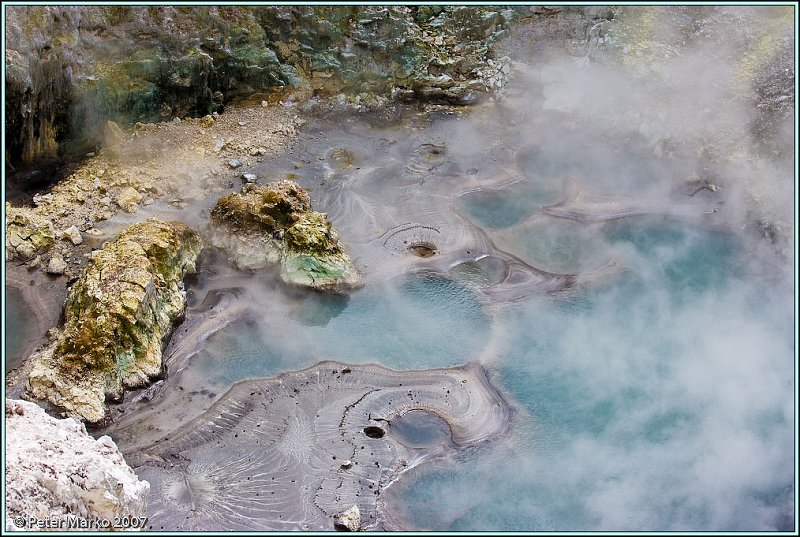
(57, 265)
(128, 198)
(73, 234)
(55, 469)
(350, 520)
(27, 233)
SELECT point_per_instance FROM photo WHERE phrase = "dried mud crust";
(293, 451)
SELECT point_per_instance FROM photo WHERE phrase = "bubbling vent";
(414, 239)
(422, 249)
(373, 432)
(426, 158)
(341, 157)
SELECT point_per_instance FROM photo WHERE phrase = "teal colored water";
(420, 429)
(656, 399)
(677, 255)
(497, 209)
(484, 272)
(657, 402)
(420, 322)
(554, 244)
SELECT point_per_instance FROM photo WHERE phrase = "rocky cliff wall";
(71, 68)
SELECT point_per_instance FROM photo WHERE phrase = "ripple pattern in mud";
(290, 452)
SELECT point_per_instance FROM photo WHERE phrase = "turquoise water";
(662, 401)
(420, 321)
(417, 429)
(501, 208)
(658, 400)
(555, 244)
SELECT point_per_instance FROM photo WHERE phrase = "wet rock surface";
(294, 452)
(116, 317)
(274, 223)
(54, 469)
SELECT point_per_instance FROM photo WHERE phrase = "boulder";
(116, 318)
(114, 135)
(274, 223)
(128, 199)
(27, 234)
(55, 471)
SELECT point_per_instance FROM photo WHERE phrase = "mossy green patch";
(274, 223)
(316, 268)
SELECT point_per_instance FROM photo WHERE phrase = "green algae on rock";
(274, 223)
(117, 316)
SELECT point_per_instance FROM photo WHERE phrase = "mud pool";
(641, 340)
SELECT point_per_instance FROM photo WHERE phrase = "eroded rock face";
(116, 317)
(55, 469)
(300, 451)
(71, 68)
(274, 223)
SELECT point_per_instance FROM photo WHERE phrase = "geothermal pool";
(641, 339)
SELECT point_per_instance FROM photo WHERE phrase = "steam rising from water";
(656, 398)
(663, 401)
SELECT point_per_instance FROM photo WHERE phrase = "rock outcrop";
(273, 224)
(69, 69)
(27, 233)
(57, 473)
(117, 316)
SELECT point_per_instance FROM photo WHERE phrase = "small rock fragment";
(350, 520)
(248, 178)
(114, 134)
(234, 163)
(128, 198)
(73, 234)
(57, 265)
